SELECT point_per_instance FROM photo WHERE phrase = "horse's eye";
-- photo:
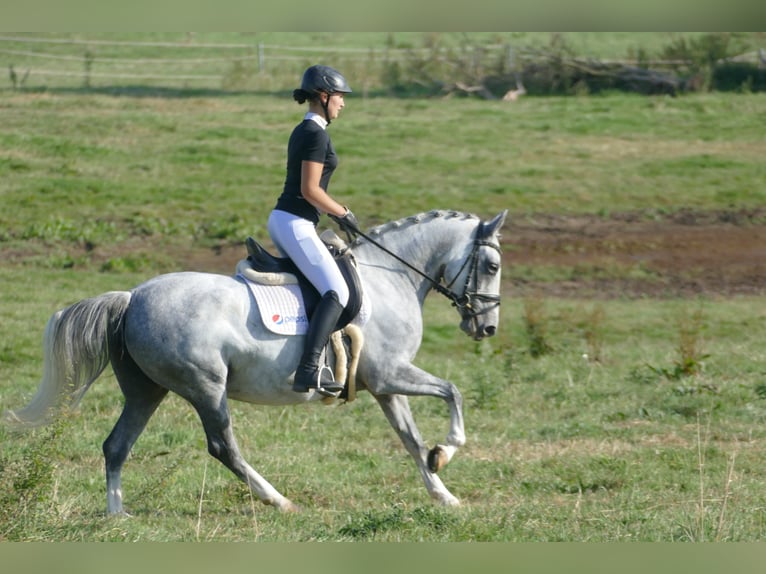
(493, 268)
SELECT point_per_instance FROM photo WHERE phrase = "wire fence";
(35, 62)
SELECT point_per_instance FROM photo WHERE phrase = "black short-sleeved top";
(308, 142)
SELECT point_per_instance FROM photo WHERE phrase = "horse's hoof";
(437, 459)
(118, 515)
(290, 507)
(451, 502)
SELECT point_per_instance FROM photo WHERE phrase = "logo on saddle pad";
(278, 319)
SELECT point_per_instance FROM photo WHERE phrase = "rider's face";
(335, 103)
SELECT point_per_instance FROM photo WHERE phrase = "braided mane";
(415, 219)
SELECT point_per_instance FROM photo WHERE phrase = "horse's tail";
(76, 347)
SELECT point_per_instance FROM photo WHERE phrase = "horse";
(200, 336)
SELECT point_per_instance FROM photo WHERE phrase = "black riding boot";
(310, 375)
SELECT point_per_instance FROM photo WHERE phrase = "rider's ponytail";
(301, 96)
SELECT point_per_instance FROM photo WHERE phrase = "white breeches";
(296, 238)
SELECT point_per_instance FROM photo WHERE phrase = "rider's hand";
(347, 222)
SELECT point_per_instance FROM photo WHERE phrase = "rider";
(311, 161)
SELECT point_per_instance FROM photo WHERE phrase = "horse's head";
(479, 274)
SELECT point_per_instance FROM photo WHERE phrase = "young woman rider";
(311, 161)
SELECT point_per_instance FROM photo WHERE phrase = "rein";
(463, 303)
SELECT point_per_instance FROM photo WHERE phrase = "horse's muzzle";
(476, 331)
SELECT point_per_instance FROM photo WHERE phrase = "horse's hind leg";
(398, 413)
(216, 420)
(142, 397)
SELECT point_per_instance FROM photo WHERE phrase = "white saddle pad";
(283, 311)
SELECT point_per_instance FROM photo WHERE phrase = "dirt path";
(623, 255)
(689, 253)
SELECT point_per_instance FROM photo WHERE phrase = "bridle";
(464, 302)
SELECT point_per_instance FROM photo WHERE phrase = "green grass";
(559, 448)
(102, 192)
(99, 169)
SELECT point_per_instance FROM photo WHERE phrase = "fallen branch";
(461, 87)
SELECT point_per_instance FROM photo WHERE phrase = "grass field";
(588, 419)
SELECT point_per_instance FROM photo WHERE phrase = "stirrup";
(328, 390)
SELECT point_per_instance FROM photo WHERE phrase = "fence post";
(261, 58)
(88, 65)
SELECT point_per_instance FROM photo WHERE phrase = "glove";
(347, 222)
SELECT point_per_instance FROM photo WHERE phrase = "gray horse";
(201, 336)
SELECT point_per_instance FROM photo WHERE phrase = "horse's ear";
(489, 228)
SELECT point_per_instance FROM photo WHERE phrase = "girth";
(264, 262)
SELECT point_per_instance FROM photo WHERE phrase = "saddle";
(266, 268)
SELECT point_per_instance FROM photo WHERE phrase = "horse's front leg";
(412, 381)
(398, 413)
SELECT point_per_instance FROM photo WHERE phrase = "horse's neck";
(425, 242)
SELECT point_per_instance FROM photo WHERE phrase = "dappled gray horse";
(200, 335)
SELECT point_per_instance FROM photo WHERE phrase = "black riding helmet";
(321, 78)
(324, 79)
